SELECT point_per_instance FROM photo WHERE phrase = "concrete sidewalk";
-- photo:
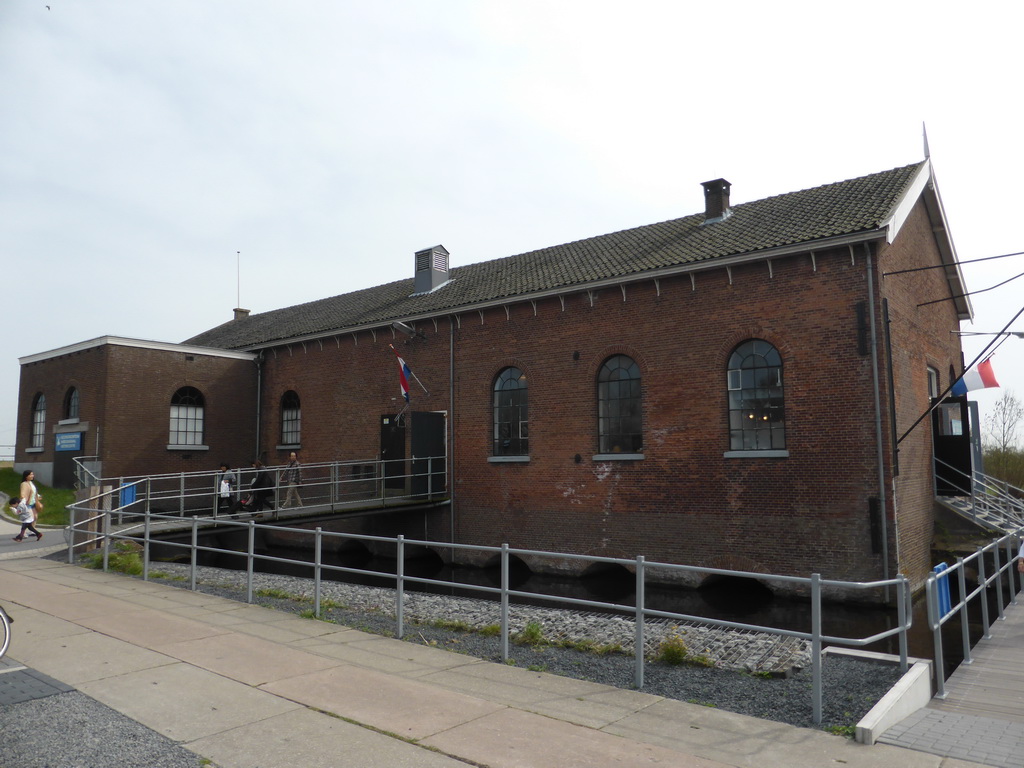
(245, 686)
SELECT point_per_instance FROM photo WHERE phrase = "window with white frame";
(71, 404)
(187, 416)
(291, 418)
(39, 420)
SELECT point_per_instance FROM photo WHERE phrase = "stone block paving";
(19, 683)
(984, 740)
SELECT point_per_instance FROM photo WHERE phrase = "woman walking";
(32, 498)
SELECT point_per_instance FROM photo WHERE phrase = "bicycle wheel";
(5, 628)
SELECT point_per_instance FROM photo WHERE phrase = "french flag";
(403, 373)
(981, 377)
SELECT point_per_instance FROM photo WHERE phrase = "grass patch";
(847, 731)
(54, 499)
(531, 634)
(281, 594)
(491, 630)
(453, 625)
(124, 557)
(589, 646)
(674, 651)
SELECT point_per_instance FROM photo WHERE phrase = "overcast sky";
(144, 144)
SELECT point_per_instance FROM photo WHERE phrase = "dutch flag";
(981, 377)
(403, 373)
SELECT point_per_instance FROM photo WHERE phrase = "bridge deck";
(993, 684)
(981, 720)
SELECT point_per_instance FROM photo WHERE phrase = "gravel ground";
(72, 730)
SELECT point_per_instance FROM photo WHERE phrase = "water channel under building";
(735, 599)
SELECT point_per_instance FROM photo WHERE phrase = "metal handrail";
(326, 483)
(813, 584)
(83, 475)
(990, 497)
(1009, 544)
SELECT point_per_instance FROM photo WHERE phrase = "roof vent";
(716, 200)
(431, 269)
(241, 314)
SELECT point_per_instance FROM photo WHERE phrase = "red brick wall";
(684, 502)
(920, 338)
(126, 393)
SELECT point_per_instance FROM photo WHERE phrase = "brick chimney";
(716, 200)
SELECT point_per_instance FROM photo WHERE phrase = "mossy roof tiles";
(842, 208)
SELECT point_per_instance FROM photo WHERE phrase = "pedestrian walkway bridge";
(981, 716)
(327, 487)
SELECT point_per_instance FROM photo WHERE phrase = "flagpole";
(411, 373)
(418, 381)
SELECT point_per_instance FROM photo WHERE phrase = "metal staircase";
(992, 504)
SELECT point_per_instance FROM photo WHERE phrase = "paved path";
(244, 686)
(982, 716)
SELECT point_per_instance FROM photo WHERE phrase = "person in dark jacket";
(260, 490)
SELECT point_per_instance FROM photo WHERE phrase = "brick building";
(730, 389)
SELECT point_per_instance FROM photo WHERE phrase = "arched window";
(187, 417)
(619, 416)
(511, 428)
(291, 418)
(756, 413)
(71, 404)
(38, 420)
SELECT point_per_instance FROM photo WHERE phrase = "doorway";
(392, 451)
(951, 436)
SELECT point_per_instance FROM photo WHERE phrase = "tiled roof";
(842, 208)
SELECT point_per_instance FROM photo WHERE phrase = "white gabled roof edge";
(924, 185)
(119, 341)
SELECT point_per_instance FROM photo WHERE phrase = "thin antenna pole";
(238, 272)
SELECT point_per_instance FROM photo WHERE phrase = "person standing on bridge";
(225, 486)
(260, 489)
(292, 477)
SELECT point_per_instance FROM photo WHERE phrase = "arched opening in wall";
(518, 571)
(608, 581)
(735, 595)
(422, 562)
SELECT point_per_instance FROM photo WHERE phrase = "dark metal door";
(428, 453)
(951, 435)
(68, 445)
(392, 451)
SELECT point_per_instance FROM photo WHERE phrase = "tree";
(1003, 456)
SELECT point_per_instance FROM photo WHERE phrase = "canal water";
(738, 600)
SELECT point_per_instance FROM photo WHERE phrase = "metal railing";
(98, 530)
(326, 484)
(85, 476)
(993, 503)
(1003, 555)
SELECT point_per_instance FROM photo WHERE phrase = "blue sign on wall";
(68, 441)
